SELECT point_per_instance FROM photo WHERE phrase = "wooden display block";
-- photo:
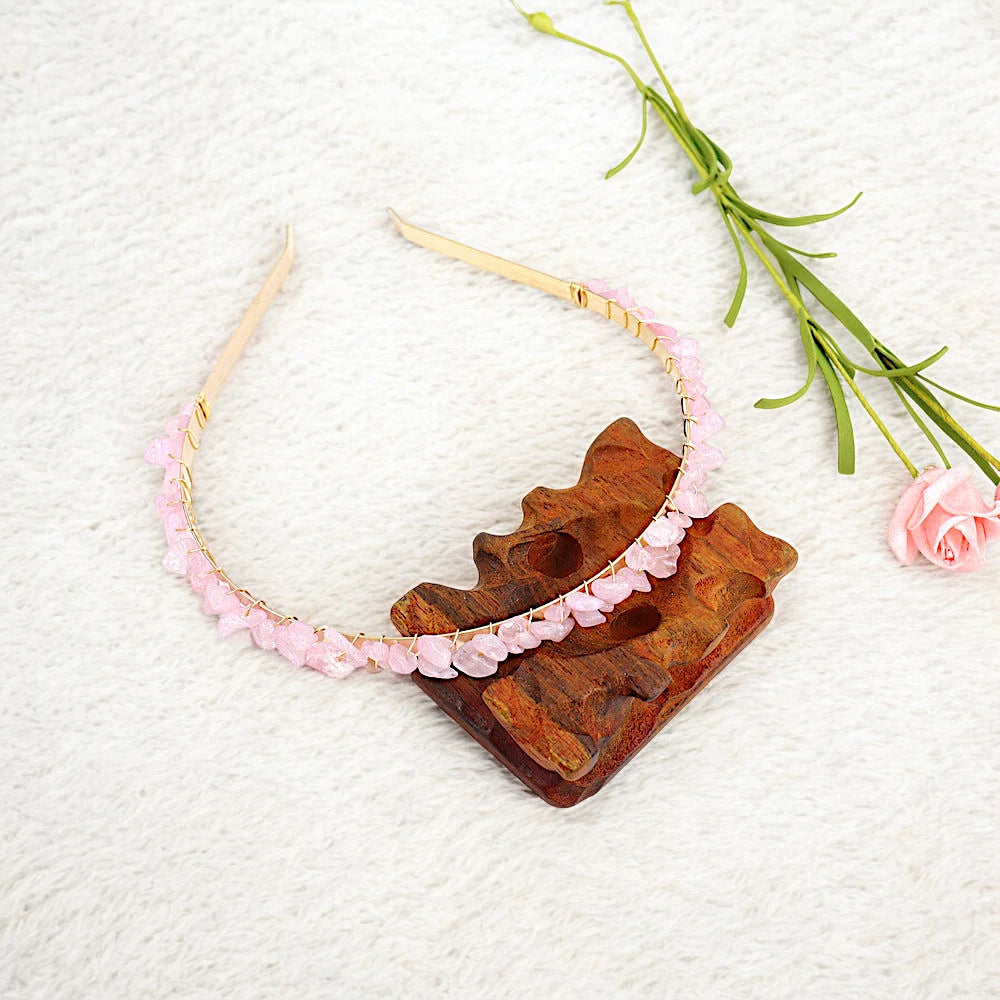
(566, 717)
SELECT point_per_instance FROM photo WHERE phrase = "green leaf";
(845, 429)
(642, 137)
(928, 433)
(958, 395)
(741, 286)
(678, 129)
(828, 300)
(721, 157)
(809, 343)
(804, 253)
(894, 372)
(934, 409)
(785, 220)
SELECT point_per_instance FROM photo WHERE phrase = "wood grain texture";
(565, 717)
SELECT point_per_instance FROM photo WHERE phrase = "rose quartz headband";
(476, 651)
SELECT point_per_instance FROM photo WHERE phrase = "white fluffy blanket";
(185, 817)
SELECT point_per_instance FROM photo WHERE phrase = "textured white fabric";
(185, 817)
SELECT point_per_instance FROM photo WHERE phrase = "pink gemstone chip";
(220, 599)
(176, 559)
(344, 648)
(552, 631)
(689, 502)
(661, 562)
(377, 652)
(489, 645)
(707, 426)
(586, 608)
(557, 612)
(262, 629)
(514, 634)
(708, 457)
(434, 652)
(472, 662)
(293, 640)
(158, 451)
(326, 658)
(611, 590)
(231, 622)
(636, 580)
(663, 532)
(429, 669)
(401, 660)
(689, 367)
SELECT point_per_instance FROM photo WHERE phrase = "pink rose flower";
(943, 517)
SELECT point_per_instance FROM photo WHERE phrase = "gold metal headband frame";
(571, 291)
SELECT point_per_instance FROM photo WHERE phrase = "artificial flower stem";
(714, 167)
(877, 420)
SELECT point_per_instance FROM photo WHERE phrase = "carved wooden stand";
(566, 717)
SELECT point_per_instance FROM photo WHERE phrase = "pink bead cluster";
(703, 423)
(332, 653)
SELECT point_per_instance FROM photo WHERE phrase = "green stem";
(876, 419)
(789, 274)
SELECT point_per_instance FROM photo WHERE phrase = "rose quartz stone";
(434, 651)
(698, 406)
(515, 636)
(262, 630)
(293, 639)
(552, 631)
(431, 669)
(636, 580)
(507, 634)
(200, 572)
(689, 367)
(634, 558)
(693, 504)
(173, 521)
(326, 659)
(557, 612)
(581, 601)
(589, 618)
(472, 662)
(693, 480)
(344, 648)
(165, 501)
(232, 621)
(176, 558)
(663, 532)
(158, 451)
(661, 562)
(489, 645)
(709, 424)
(219, 599)
(611, 590)
(709, 457)
(400, 660)
(377, 652)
